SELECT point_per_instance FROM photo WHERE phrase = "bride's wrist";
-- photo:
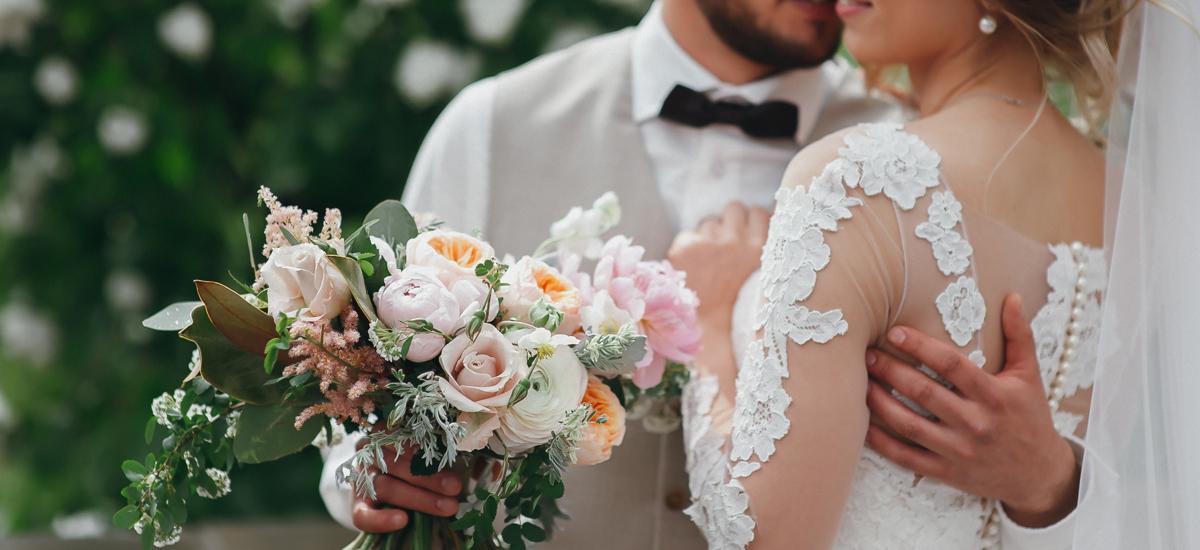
(1055, 498)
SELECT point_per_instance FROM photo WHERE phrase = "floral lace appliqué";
(962, 309)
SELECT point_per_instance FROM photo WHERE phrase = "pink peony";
(654, 296)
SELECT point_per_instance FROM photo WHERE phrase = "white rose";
(478, 380)
(302, 280)
(556, 388)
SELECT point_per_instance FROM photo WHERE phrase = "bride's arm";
(833, 288)
(798, 495)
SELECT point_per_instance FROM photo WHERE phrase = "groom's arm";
(449, 178)
(1007, 447)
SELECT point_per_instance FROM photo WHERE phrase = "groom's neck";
(692, 31)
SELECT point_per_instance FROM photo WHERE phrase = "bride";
(990, 191)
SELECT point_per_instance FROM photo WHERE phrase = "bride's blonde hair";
(1077, 43)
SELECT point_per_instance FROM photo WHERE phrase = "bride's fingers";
(948, 362)
(910, 425)
(369, 519)
(446, 483)
(918, 460)
(404, 495)
(915, 385)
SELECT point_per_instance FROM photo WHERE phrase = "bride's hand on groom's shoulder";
(994, 437)
(718, 257)
(400, 491)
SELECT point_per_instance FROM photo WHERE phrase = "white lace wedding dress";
(951, 282)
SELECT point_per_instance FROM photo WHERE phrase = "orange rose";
(606, 429)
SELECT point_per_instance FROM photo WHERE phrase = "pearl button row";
(1074, 327)
(991, 526)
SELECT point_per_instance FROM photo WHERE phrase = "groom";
(702, 104)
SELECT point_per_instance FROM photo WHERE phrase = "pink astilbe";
(347, 368)
(298, 222)
(331, 228)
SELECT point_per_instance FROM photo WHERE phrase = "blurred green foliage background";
(132, 137)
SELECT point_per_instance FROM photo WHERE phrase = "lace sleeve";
(832, 276)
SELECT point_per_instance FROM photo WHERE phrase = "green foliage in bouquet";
(123, 167)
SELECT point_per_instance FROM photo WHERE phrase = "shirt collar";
(659, 63)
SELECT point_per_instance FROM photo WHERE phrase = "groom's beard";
(736, 25)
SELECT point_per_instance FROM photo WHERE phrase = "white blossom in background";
(16, 18)
(30, 169)
(83, 525)
(27, 334)
(491, 21)
(127, 291)
(122, 130)
(187, 31)
(55, 80)
(569, 35)
(428, 70)
(7, 419)
(291, 13)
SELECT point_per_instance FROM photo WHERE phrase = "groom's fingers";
(910, 425)
(918, 460)
(915, 385)
(377, 520)
(947, 361)
(734, 215)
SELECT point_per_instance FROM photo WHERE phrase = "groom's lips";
(814, 9)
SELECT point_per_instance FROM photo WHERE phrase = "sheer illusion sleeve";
(832, 274)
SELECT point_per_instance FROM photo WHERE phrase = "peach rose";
(606, 429)
(453, 254)
(530, 280)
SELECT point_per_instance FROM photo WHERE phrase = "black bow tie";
(770, 119)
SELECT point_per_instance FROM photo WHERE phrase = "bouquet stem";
(425, 532)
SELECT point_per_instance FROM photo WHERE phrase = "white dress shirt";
(698, 170)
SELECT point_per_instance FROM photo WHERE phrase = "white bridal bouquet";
(505, 371)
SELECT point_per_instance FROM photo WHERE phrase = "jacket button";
(677, 500)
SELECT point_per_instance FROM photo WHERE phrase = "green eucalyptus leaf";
(267, 432)
(134, 471)
(393, 223)
(353, 273)
(126, 517)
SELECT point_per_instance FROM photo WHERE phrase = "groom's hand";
(993, 436)
(399, 491)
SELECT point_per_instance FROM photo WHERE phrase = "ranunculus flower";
(530, 280)
(416, 293)
(453, 254)
(301, 280)
(606, 429)
(479, 379)
(655, 297)
(556, 388)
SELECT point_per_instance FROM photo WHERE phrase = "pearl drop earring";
(987, 24)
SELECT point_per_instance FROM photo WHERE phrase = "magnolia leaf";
(172, 318)
(246, 327)
(227, 367)
(350, 269)
(266, 433)
(395, 224)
